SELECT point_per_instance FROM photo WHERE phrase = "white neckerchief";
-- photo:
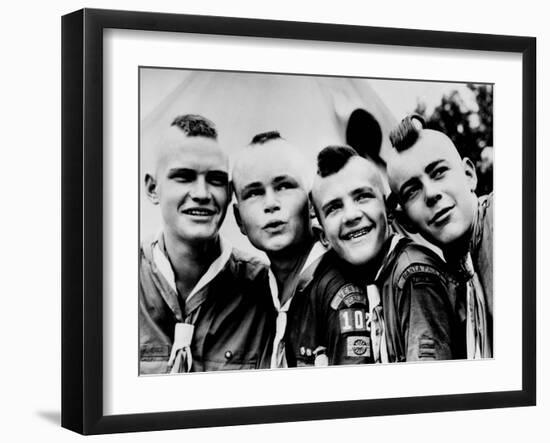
(478, 344)
(278, 357)
(378, 326)
(181, 359)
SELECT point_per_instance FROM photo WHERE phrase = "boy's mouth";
(441, 216)
(357, 233)
(274, 226)
(199, 212)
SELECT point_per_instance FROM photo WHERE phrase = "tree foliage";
(469, 124)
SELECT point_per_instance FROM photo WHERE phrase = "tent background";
(309, 111)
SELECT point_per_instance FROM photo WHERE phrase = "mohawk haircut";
(333, 158)
(407, 132)
(194, 125)
(264, 137)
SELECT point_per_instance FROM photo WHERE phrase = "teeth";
(357, 234)
(198, 212)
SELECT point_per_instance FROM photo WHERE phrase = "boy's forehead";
(430, 147)
(265, 162)
(197, 151)
(357, 173)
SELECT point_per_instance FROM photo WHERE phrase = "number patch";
(353, 320)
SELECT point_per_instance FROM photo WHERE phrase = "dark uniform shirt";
(233, 316)
(329, 319)
(417, 300)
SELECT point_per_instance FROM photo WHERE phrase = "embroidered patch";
(420, 269)
(349, 295)
(353, 320)
(358, 346)
(154, 352)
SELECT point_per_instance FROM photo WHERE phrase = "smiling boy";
(271, 183)
(203, 306)
(436, 190)
(408, 313)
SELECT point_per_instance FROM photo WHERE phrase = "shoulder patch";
(420, 268)
(349, 295)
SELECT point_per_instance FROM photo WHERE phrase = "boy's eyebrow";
(252, 185)
(218, 172)
(330, 203)
(363, 189)
(409, 182)
(428, 169)
(180, 170)
(280, 178)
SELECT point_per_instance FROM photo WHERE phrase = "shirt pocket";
(153, 359)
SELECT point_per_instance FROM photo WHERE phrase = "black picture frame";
(82, 220)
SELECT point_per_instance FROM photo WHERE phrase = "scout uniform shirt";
(405, 314)
(288, 304)
(229, 313)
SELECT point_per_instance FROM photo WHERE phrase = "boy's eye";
(364, 196)
(183, 175)
(331, 209)
(410, 193)
(439, 172)
(284, 185)
(217, 178)
(254, 192)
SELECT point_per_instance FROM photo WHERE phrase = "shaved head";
(174, 139)
(272, 154)
(434, 186)
(429, 144)
(271, 181)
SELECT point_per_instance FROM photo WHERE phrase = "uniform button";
(228, 354)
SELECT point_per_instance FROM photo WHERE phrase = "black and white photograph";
(301, 221)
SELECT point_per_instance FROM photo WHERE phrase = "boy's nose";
(271, 201)
(351, 214)
(432, 194)
(200, 190)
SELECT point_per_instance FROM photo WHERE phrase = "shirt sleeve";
(426, 318)
(344, 327)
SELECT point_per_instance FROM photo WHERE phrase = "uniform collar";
(165, 268)
(301, 278)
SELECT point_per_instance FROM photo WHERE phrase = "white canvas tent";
(311, 112)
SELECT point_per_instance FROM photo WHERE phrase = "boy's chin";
(450, 238)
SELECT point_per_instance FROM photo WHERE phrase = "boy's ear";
(470, 171)
(312, 214)
(320, 234)
(238, 219)
(151, 189)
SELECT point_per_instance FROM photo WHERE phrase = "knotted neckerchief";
(377, 323)
(478, 344)
(278, 356)
(181, 358)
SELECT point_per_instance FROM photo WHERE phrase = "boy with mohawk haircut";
(271, 185)
(203, 306)
(407, 311)
(436, 190)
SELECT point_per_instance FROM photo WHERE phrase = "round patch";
(359, 346)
